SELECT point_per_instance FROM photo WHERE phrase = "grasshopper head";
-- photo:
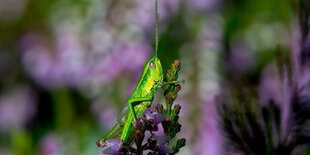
(155, 69)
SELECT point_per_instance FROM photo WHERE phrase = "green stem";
(169, 105)
(63, 109)
(156, 27)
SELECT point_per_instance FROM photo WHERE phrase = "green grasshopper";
(142, 97)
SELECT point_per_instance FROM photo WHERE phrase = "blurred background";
(67, 67)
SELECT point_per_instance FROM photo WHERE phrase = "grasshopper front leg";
(137, 99)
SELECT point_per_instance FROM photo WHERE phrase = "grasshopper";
(142, 97)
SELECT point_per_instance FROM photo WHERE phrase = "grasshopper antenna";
(156, 27)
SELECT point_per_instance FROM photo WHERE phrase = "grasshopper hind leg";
(113, 133)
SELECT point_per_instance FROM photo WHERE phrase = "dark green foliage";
(180, 143)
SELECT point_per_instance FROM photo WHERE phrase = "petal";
(113, 141)
(164, 149)
(111, 150)
(113, 146)
(155, 128)
(149, 115)
(162, 139)
(158, 118)
(148, 111)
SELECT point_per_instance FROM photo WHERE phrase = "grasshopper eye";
(152, 65)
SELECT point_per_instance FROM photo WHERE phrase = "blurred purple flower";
(128, 58)
(104, 113)
(296, 50)
(113, 146)
(39, 60)
(304, 81)
(72, 65)
(102, 39)
(72, 57)
(203, 4)
(211, 35)
(17, 108)
(50, 145)
(210, 138)
(12, 9)
(142, 14)
(240, 59)
(270, 86)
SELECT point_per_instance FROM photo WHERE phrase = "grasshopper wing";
(122, 115)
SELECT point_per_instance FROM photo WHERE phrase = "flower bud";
(152, 119)
(176, 64)
(178, 87)
(181, 142)
(177, 109)
(170, 97)
(159, 109)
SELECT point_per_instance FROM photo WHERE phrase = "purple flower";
(153, 118)
(139, 124)
(161, 144)
(113, 146)
(140, 131)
